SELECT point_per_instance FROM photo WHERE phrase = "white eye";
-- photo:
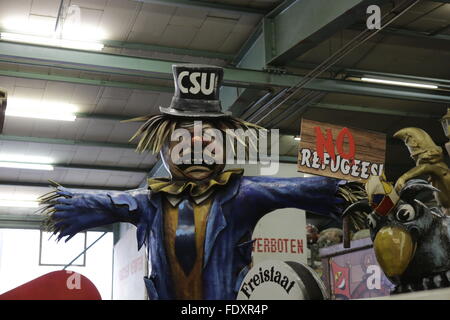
(405, 213)
(371, 221)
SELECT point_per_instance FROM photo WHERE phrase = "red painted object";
(57, 285)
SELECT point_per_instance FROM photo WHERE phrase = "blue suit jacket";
(235, 210)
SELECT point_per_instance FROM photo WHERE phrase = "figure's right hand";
(70, 212)
(66, 217)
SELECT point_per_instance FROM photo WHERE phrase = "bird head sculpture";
(430, 163)
(420, 145)
(411, 241)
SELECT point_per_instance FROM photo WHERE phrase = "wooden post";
(346, 232)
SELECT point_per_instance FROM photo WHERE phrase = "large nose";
(196, 138)
(199, 139)
(394, 249)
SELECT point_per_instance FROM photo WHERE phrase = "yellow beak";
(394, 249)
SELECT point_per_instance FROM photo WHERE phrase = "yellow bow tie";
(195, 188)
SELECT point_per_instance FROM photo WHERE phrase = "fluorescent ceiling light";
(41, 30)
(45, 27)
(82, 33)
(21, 165)
(400, 83)
(53, 42)
(18, 200)
(26, 162)
(29, 108)
(26, 159)
(32, 24)
(297, 138)
(18, 203)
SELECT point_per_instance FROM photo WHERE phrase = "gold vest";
(188, 287)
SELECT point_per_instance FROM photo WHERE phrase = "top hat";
(196, 92)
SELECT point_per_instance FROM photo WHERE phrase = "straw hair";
(157, 130)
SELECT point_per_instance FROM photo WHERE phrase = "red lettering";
(350, 155)
(322, 144)
(273, 243)
(278, 245)
(257, 244)
(266, 245)
(292, 245)
(300, 245)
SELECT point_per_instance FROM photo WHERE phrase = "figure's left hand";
(399, 184)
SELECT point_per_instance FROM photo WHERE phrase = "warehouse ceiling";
(131, 77)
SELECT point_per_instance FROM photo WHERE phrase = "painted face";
(199, 167)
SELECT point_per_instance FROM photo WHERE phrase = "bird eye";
(406, 213)
(371, 221)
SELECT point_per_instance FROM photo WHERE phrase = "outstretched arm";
(423, 169)
(70, 211)
(260, 195)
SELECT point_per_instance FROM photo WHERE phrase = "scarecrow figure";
(198, 223)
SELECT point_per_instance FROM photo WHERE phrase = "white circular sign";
(281, 235)
(277, 280)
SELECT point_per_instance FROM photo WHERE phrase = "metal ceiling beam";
(31, 221)
(20, 221)
(352, 72)
(330, 106)
(164, 49)
(171, 50)
(83, 80)
(71, 186)
(106, 63)
(408, 33)
(99, 167)
(126, 65)
(97, 116)
(307, 23)
(386, 91)
(208, 5)
(82, 143)
(389, 112)
(291, 29)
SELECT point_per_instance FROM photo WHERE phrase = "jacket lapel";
(216, 221)
(160, 265)
(157, 224)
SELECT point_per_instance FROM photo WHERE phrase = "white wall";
(20, 264)
(130, 267)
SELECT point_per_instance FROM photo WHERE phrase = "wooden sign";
(339, 152)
